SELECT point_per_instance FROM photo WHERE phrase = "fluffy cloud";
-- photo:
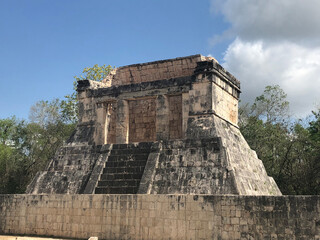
(295, 68)
(293, 20)
(276, 42)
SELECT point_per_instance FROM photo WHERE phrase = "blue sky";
(44, 43)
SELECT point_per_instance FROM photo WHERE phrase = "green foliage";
(314, 128)
(8, 168)
(11, 158)
(272, 105)
(69, 105)
(26, 148)
(45, 133)
(95, 73)
(289, 151)
(45, 113)
(10, 131)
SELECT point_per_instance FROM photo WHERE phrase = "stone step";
(124, 169)
(136, 169)
(116, 190)
(124, 157)
(129, 151)
(141, 145)
(119, 183)
(116, 176)
(121, 164)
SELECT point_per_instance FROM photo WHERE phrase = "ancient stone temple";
(164, 127)
(157, 154)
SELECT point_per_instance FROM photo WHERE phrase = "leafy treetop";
(96, 73)
(70, 104)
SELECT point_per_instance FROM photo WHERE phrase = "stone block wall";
(152, 71)
(175, 116)
(221, 89)
(162, 216)
(241, 162)
(69, 171)
(199, 106)
(214, 159)
(192, 167)
(142, 120)
(225, 104)
(203, 85)
(247, 168)
(111, 123)
(200, 98)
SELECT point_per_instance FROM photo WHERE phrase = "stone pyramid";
(164, 127)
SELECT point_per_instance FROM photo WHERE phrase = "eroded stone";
(164, 127)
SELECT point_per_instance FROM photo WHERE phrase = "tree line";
(26, 147)
(288, 147)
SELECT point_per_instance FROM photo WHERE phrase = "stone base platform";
(150, 216)
(6, 237)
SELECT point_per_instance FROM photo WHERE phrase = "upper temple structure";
(164, 127)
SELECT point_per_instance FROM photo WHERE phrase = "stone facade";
(175, 116)
(164, 217)
(142, 120)
(185, 109)
(157, 154)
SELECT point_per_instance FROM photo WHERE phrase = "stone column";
(122, 125)
(99, 134)
(200, 98)
(185, 113)
(200, 120)
(162, 117)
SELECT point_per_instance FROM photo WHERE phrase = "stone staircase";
(124, 169)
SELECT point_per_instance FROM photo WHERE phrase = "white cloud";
(295, 68)
(276, 42)
(294, 20)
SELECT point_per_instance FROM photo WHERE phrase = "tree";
(271, 106)
(95, 73)
(289, 151)
(70, 104)
(26, 147)
(314, 126)
(314, 156)
(10, 129)
(264, 125)
(44, 113)
(46, 132)
(8, 169)
(11, 157)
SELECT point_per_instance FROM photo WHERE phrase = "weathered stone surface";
(124, 169)
(69, 171)
(163, 69)
(242, 162)
(192, 166)
(149, 216)
(186, 108)
(4, 237)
